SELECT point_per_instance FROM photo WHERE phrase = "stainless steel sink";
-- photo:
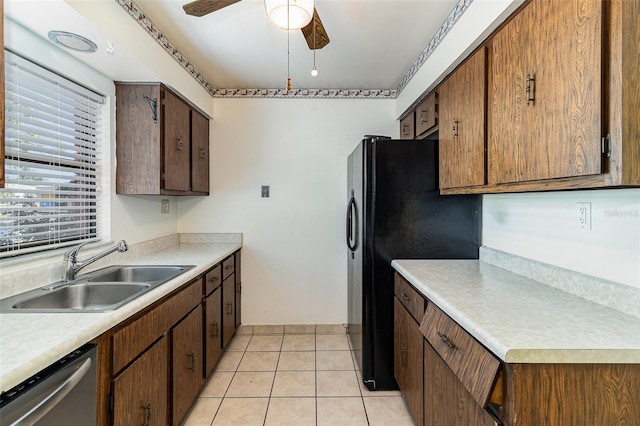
(138, 274)
(103, 290)
(86, 296)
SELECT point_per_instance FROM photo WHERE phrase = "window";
(52, 138)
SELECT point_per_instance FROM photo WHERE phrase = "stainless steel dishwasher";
(62, 394)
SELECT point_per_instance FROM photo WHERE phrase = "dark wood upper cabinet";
(546, 97)
(426, 116)
(462, 116)
(199, 152)
(408, 126)
(162, 142)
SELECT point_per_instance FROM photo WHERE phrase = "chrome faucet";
(72, 266)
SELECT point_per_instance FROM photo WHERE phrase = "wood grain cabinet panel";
(213, 279)
(212, 330)
(238, 301)
(475, 367)
(162, 142)
(407, 362)
(187, 363)
(176, 143)
(228, 309)
(140, 393)
(132, 339)
(426, 116)
(546, 98)
(446, 401)
(462, 125)
(409, 297)
(408, 126)
(199, 152)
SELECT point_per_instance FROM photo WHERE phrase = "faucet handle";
(122, 246)
(73, 252)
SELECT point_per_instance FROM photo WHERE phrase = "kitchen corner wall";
(294, 267)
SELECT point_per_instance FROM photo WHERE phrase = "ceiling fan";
(314, 32)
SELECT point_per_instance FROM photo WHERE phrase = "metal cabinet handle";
(229, 308)
(214, 329)
(147, 414)
(192, 361)
(228, 267)
(202, 153)
(405, 297)
(213, 279)
(179, 144)
(530, 89)
(455, 128)
(446, 340)
(424, 116)
(403, 357)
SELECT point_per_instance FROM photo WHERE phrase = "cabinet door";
(213, 330)
(238, 290)
(199, 152)
(546, 95)
(426, 115)
(187, 362)
(407, 126)
(228, 309)
(446, 401)
(176, 143)
(462, 117)
(407, 344)
(140, 391)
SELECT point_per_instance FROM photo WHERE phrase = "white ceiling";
(373, 42)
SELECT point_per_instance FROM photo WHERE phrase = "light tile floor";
(292, 375)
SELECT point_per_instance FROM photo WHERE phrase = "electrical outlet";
(164, 206)
(584, 215)
(265, 191)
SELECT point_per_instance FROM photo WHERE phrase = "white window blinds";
(51, 160)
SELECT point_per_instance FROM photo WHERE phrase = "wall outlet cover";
(164, 207)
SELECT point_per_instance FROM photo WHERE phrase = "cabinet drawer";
(474, 366)
(228, 267)
(213, 279)
(409, 297)
(133, 338)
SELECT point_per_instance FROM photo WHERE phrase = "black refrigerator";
(395, 211)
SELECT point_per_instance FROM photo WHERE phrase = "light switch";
(265, 191)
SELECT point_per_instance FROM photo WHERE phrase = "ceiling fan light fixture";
(298, 15)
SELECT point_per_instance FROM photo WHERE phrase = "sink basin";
(86, 296)
(138, 274)
(103, 290)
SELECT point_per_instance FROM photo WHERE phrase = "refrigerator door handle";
(352, 223)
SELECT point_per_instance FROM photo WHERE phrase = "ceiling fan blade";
(203, 7)
(318, 40)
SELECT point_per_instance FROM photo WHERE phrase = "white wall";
(294, 257)
(544, 227)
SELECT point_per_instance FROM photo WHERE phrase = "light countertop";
(31, 342)
(521, 320)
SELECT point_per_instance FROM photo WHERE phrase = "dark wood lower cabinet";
(407, 343)
(212, 330)
(187, 363)
(228, 309)
(140, 391)
(446, 401)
